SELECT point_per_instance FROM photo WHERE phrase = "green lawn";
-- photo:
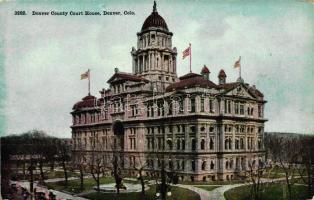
(271, 192)
(177, 194)
(60, 174)
(74, 185)
(212, 182)
(207, 187)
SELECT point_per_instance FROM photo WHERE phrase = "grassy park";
(274, 191)
(177, 194)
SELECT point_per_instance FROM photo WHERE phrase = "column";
(143, 63)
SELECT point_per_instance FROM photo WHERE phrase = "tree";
(285, 157)
(64, 156)
(306, 167)
(97, 160)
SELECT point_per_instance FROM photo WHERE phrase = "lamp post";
(163, 190)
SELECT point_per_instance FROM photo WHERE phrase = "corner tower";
(154, 58)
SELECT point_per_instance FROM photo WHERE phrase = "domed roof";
(87, 102)
(155, 20)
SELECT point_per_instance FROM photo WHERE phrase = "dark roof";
(87, 102)
(222, 73)
(205, 70)
(154, 20)
(189, 75)
(126, 76)
(228, 86)
(256, 92)
(191, 80)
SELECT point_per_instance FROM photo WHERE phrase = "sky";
(42, 57)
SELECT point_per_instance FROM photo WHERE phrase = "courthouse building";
(199, 129)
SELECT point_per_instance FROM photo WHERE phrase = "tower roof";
(87, 102)
(222, 73)
(155, 20)
(205, 70)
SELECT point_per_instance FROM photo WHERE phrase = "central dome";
(154, 20)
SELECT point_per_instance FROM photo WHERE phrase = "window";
(211, 129)
(241, 109)
(181, 105)
(192, 105)
(178, 128)
(227, 106)
(212, 165)
(170, 129)
(192, 129)
(202, 105)
(169, 143)
(193, 143)
(237, 143)
(211, 106)
(211, 144)
(204, 165)
(259, 143)
(193, 165)
(203, 144)
(178, 144)
(259, 111)
(241, 143)
(169, 108)
(148, 143)
(236, 107)
(183, 144)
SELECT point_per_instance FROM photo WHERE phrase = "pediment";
(241, 91)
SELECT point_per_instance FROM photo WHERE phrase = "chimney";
(222, 77)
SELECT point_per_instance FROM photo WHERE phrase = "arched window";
(204, 165)
(178, 144)
(193, 144)
(193, 165)
(227, 164)
(183, 144)
(241, 143)
(169, 143)
(211, 144)
(203, 144)
(212, 165)
(226, 143)
(230, 143)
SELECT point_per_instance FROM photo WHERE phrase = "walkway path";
(218, 193)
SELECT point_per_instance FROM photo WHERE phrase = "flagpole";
(88, 82)
(240, 67)
(190, 58)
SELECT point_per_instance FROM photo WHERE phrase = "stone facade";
(199, 129)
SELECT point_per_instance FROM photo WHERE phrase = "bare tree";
(285, 157)
(306, 166)
(140, 167)
(64, 153)
(98, 161)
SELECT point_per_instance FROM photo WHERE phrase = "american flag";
(85, 75)
(237, 64)
(186, 52)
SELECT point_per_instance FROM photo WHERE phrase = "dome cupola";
(154, 20)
